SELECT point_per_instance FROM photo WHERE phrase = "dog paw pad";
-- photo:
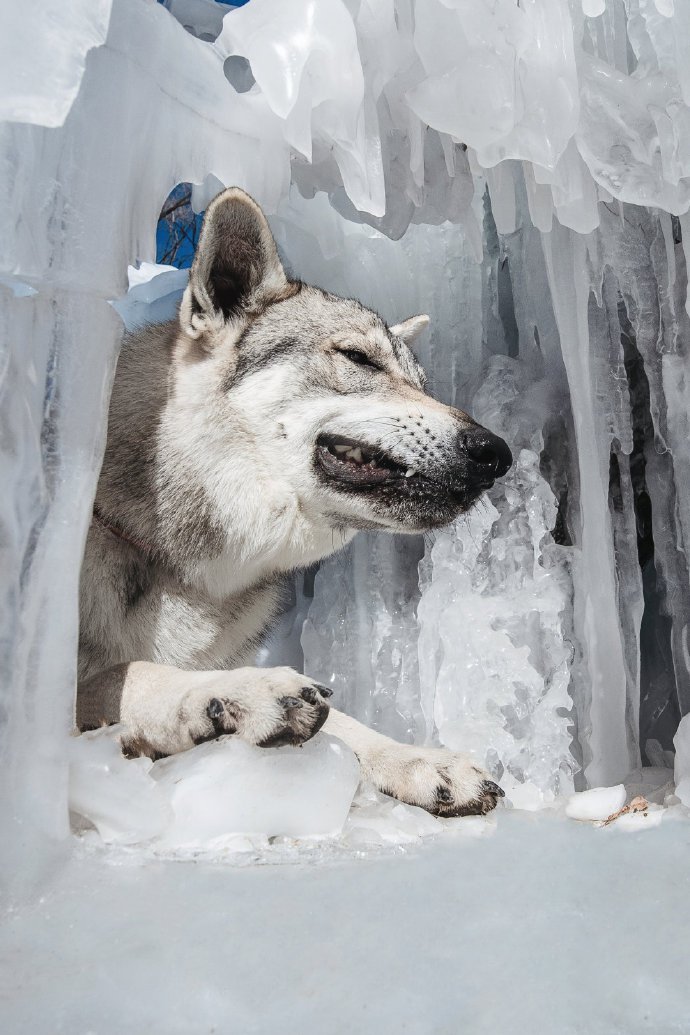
(215, 709)
(290, 703)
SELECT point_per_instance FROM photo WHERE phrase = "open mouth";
(345, 460)
(359, 466)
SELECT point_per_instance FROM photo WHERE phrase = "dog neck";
(144, 548)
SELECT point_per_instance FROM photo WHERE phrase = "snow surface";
(545, 926)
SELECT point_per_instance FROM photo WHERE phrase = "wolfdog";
(249, 438)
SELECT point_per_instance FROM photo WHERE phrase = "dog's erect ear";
(236, 263)
(408, 330)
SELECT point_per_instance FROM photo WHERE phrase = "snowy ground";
(545, 926)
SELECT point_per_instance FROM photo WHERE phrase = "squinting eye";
(360, 358)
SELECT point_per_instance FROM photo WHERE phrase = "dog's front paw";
(289, 708)
(442, 782)
(266, 707)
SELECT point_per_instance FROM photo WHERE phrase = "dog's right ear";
(235, 267)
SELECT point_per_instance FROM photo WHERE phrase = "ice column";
(607, 740)
(494, 615)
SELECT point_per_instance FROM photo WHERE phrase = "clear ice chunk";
(212, 792)
(115, 794)
(229, 787)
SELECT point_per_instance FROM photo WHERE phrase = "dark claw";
(290, 702)
(489, 787)
(214, 709)
(325, 691)
(309, 694)
(444, 795)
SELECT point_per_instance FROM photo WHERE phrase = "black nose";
(487, 450)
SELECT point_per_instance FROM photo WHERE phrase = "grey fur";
(221, 476)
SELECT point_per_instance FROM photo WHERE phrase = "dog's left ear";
(236, 264)
(408, 330)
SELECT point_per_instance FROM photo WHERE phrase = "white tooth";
(408, 474)
(356, 455)
(341, 449)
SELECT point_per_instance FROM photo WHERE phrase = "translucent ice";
(41, 90)
(493, 645)
(225, 797)
(228, 787)
(377, 819)
(116, 795)
(214, 791)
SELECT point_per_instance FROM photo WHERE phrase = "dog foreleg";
(166, 710)
(440, 781)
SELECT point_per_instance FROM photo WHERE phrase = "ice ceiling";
(520, 171)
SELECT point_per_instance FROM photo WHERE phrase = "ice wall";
(520, 172)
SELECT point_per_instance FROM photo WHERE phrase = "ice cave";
(519, 170)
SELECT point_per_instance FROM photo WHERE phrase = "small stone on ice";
(596, 804)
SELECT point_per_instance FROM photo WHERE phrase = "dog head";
(318, 394)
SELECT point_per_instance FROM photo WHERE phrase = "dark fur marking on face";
(407, 361)
(250, 362)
